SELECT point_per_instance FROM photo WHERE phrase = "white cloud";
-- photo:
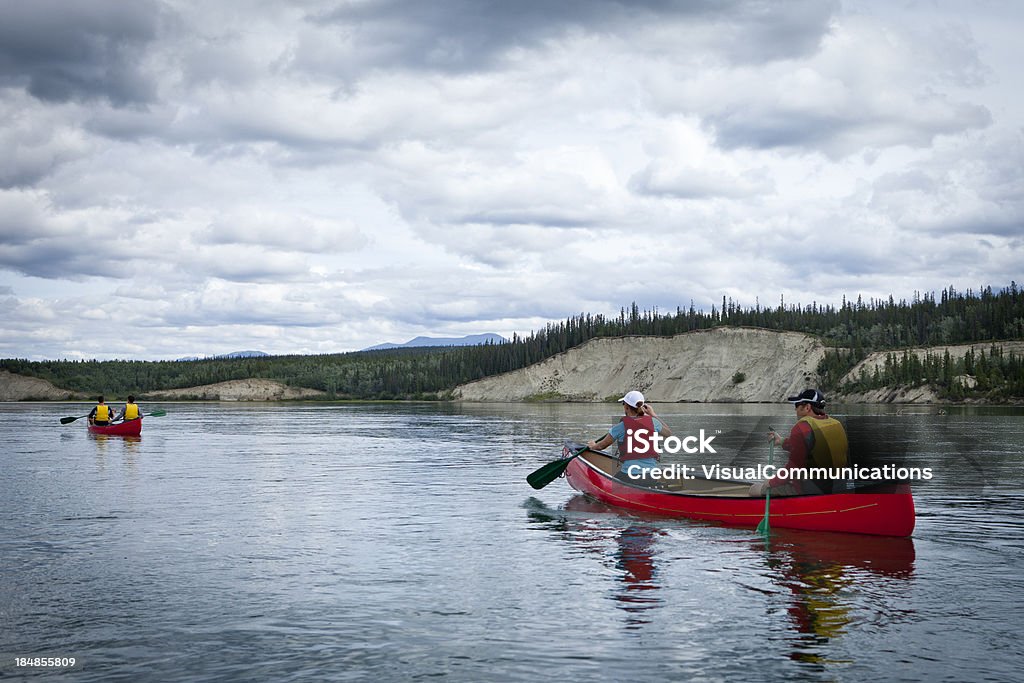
(190, 178)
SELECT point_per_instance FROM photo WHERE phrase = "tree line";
(996, 375)
(854, 329)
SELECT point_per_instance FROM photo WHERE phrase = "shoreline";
(912, 407)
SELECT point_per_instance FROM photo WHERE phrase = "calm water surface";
(398, 542)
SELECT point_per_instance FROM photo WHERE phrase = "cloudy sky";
(191, 178)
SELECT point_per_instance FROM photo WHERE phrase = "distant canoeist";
(638, 425)
(816, 440)
(101, 414)
(131, 410)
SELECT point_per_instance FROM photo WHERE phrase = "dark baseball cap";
(812, 396)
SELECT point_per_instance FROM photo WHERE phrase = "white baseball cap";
(633, 399)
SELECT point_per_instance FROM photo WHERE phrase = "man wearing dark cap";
(816, 440)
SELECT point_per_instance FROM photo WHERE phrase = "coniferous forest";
(854, 329)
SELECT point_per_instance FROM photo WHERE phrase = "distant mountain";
(233, 354)
(469, 340)
(243, 354)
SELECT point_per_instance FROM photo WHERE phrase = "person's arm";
(798, 448)
(664, 431)
(602, 443)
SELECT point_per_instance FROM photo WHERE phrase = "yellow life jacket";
(131, 411)
(103, 413)
(831, 448)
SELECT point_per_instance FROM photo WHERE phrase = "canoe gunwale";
(871, 488)
(884, 508)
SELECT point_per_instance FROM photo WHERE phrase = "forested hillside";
(990, 373)
(855, 328)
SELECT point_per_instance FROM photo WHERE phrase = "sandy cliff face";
(696, 366)
(20, 388)
(239, 390)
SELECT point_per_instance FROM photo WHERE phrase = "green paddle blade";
(69, 420)
(156, 413)
(546, 474)
(543, 476)
(764, 528)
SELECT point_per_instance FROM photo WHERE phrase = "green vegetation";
(417, 373)
(956, 318)
(544, 397)
(854, 329)
(995, 375)
(739, 377)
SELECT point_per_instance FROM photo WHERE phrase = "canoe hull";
(126, 428)
(883, 510)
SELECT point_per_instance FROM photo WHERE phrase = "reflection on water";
(634, 559)
(635, 591)
(825, 584)
(390, 542)
(826, 576)
(112, 445)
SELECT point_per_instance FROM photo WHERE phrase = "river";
(335, 542)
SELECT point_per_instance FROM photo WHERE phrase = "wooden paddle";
(544, 475)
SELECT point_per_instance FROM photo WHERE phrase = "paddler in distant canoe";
(632, 433)
(101, 414)
(131, 410)
(816, 440)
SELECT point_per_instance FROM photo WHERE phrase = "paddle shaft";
(765, 526)
(69, 420)
(155, 413)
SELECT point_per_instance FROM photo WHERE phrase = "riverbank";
(20, 388)
(719, 365)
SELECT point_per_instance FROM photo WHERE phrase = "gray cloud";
(781, 126)
(61, 50)
(694, 183)
(192, 178)
(977, 191)
(58, 259)
(284, 232)
(476, 35)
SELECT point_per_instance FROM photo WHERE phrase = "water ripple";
(397, 542)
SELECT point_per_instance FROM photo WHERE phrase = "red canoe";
(126, 428)
(885, 509)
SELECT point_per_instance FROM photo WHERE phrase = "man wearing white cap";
(638, 425)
